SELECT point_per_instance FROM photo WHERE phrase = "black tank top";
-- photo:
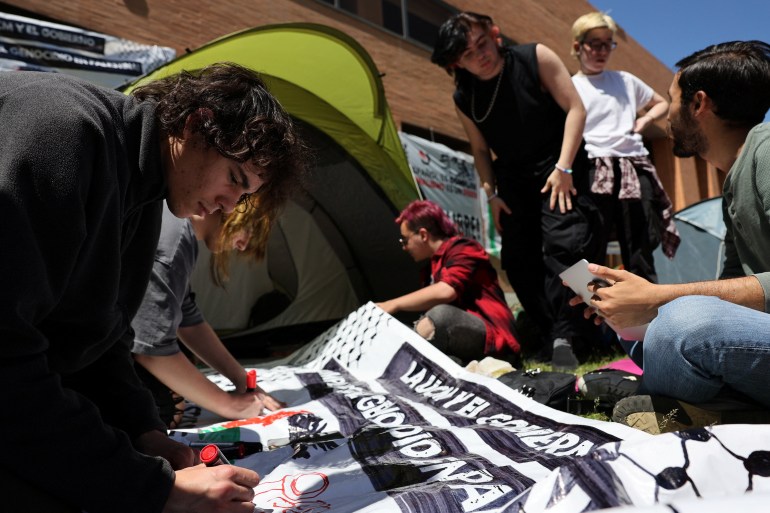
(526, 126)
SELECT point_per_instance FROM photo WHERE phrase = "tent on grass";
(335, 247)
(701, 253)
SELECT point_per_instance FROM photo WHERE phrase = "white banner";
(379, 420)
(448, 178)
(30, 44)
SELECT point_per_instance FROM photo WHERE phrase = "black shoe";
(608, 386)
(659, 414)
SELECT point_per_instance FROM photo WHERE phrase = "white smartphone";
(578, 277)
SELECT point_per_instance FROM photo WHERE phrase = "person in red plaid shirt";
(466, 315)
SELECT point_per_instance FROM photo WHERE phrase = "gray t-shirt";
(168, 303)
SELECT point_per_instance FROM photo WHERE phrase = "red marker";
(251, 380)
(212, 456)
(232, 450)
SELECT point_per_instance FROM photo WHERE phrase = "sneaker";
(563, 359)
(659, 414)
(605, 387)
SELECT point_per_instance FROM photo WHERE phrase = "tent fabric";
(315, 295)
(304, 64)
(706, 215)
(700, 255)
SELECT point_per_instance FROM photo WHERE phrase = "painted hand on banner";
(251, 404)
(293, 494)
(243, 406)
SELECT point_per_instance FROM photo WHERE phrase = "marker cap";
(251, 380)
(211, 455)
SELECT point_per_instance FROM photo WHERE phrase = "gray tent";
(701, 254)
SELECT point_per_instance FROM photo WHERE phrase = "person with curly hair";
(84, 173)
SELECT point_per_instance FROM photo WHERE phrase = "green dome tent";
(336, 246)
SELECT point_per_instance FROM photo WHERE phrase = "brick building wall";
(418, 92)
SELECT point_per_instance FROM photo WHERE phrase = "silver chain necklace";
(491, 102)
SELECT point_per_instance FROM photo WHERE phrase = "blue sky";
(674, 29)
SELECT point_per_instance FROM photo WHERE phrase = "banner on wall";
(448, 178)
(30, 44)
(377, 419)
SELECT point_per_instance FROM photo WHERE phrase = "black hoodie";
(81, 186)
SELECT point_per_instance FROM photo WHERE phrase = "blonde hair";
(256, 218)
(588, 22)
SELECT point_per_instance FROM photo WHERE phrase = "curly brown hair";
(247, 124)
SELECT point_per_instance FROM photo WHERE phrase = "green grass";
(597, 415)
(593, 363)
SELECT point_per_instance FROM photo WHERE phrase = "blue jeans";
(698, 344)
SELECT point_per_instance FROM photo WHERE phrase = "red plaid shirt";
(464, 265)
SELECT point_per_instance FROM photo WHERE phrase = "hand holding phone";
(578, 278)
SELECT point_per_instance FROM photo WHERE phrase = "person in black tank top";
(518, 103)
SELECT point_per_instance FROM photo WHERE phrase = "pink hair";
(426, 214)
